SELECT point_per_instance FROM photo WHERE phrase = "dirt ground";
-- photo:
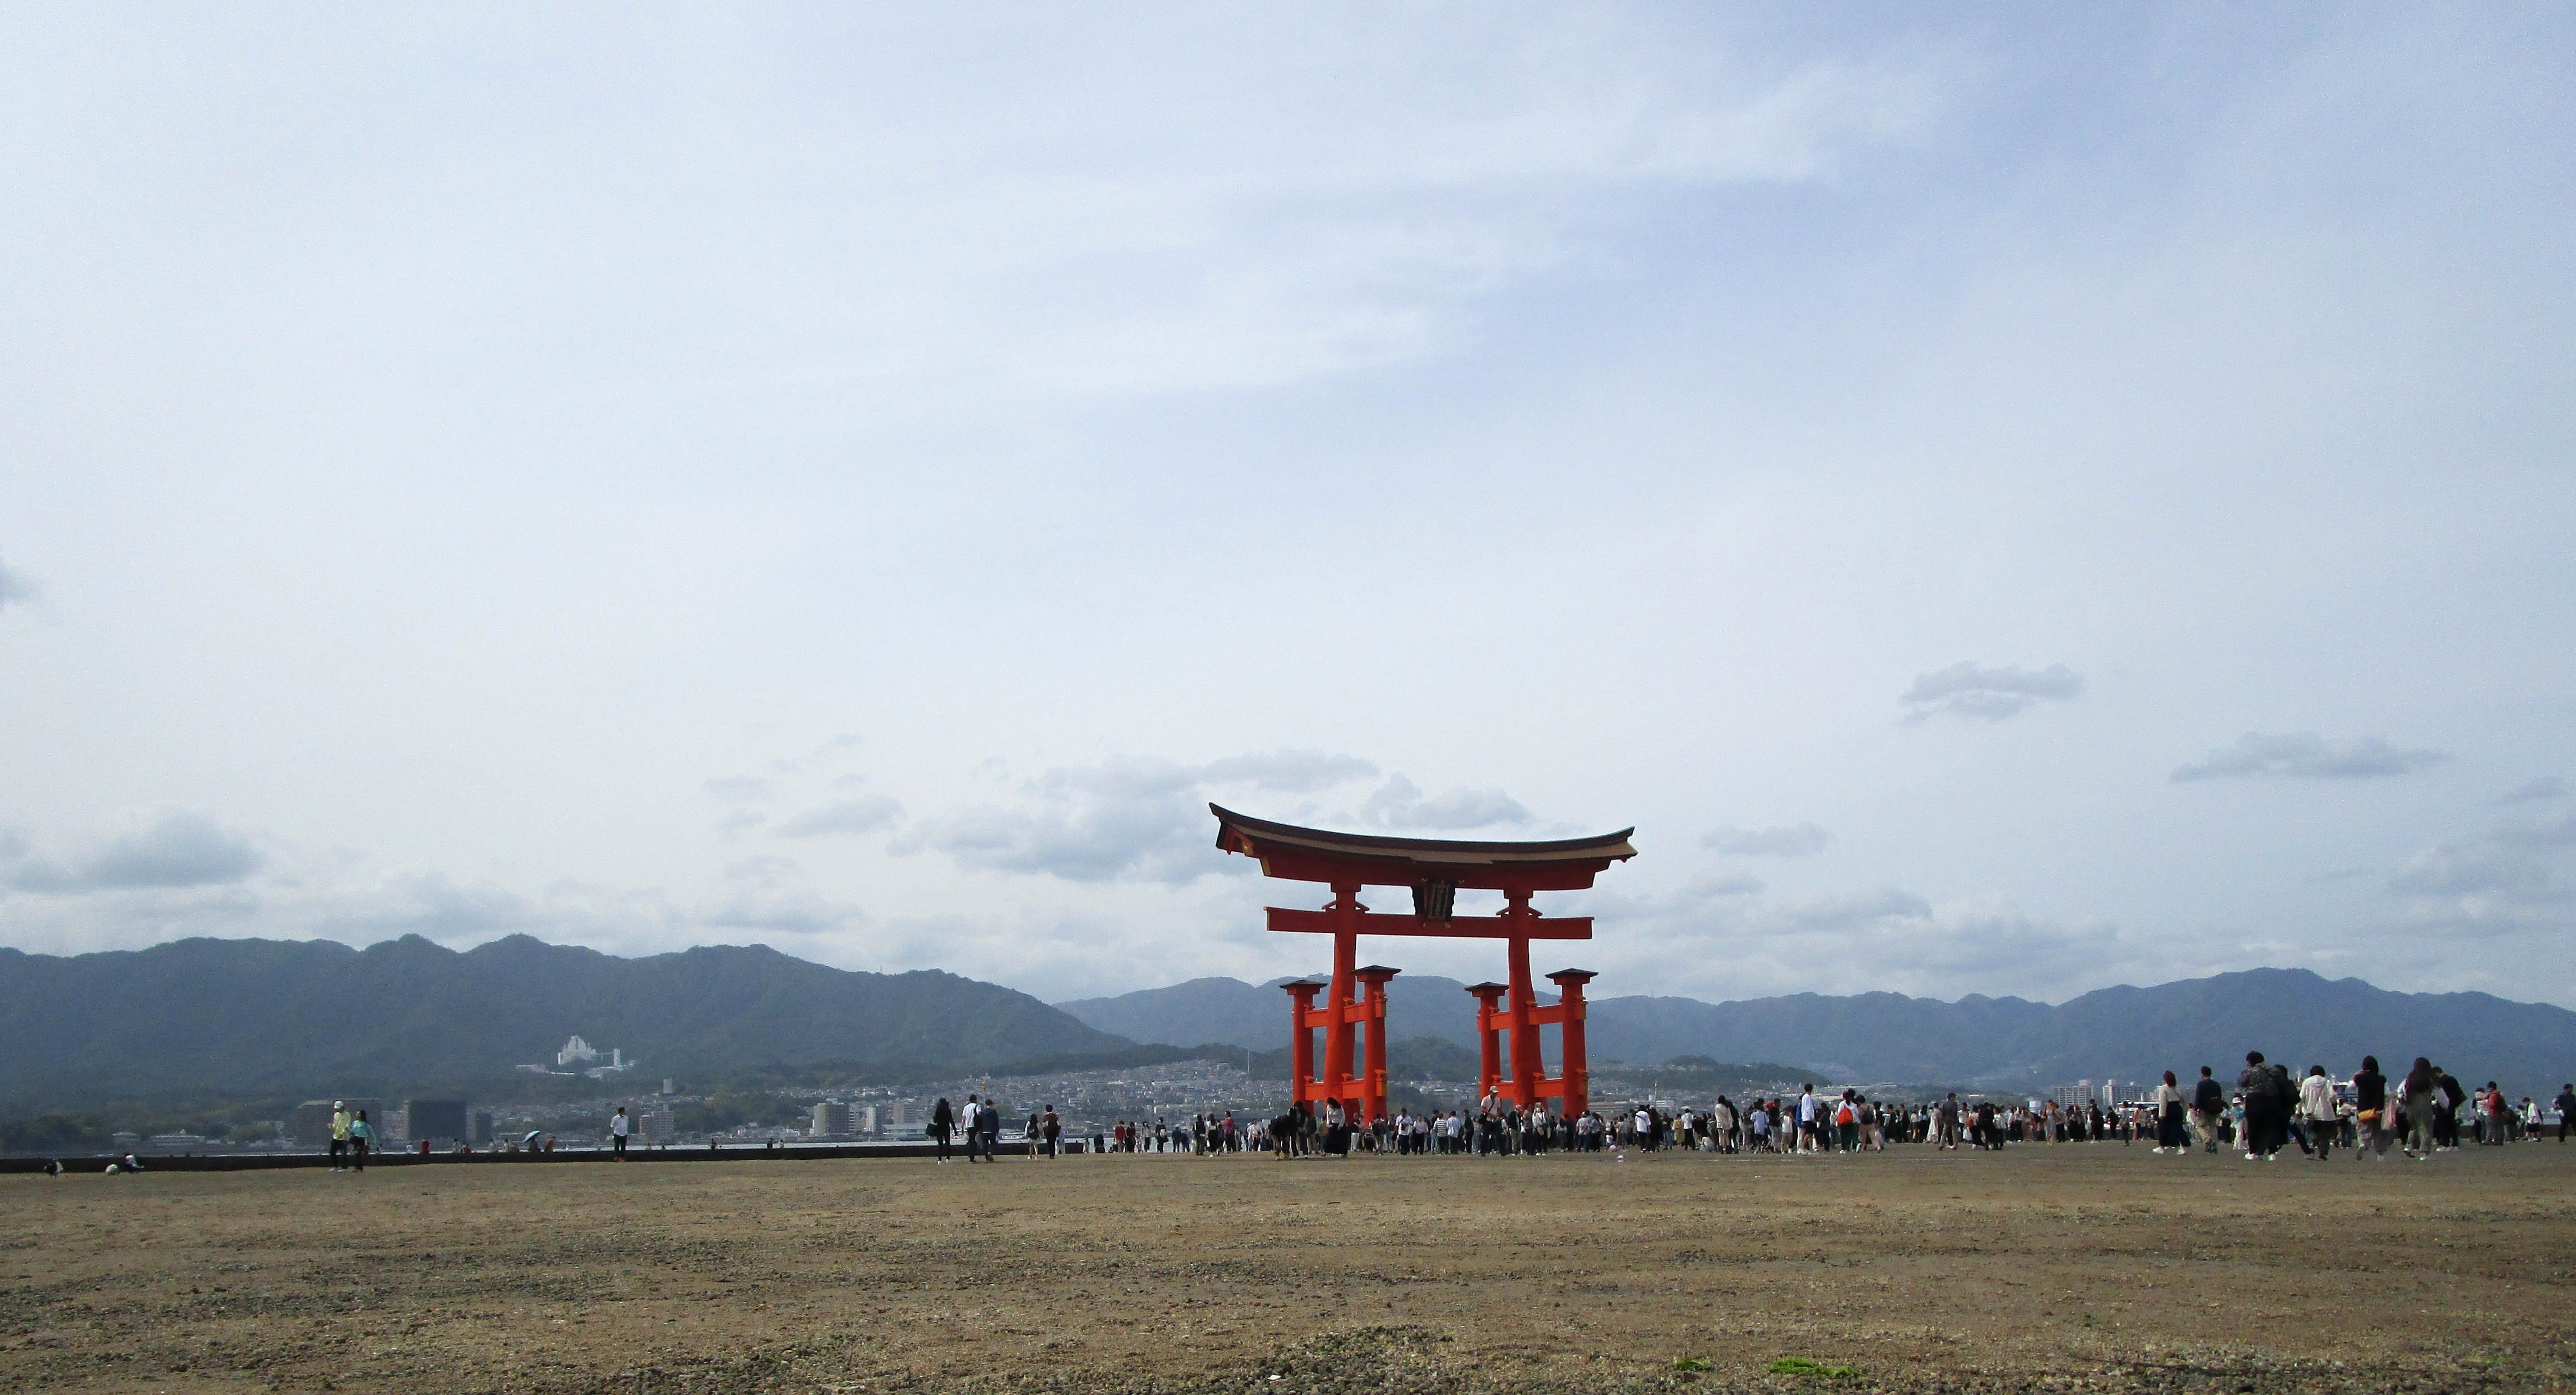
(2095, 1267)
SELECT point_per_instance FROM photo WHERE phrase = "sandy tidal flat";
(2067, 1267)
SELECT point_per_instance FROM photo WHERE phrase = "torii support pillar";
(1372, 1100)
(1489, 1026)
(1575, 1073)
(1301, 1038)
(1572, 1086)
(1363, 1095)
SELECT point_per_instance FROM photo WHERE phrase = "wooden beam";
(1572, 927)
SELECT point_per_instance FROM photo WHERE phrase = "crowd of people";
(2419, 1112)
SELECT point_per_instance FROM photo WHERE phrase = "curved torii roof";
(1321, 855)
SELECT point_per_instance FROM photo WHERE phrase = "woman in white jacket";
(2318, 1111)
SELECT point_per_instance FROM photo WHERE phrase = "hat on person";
(335, 1104)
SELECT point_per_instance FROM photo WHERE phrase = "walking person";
(618, 1124)
(2420, 1090)
(362, 1136)
(2208, 1101)
(2265, 1109)
(339, 1136)
(2566, 1106)
(2374, 1123)
(967, 1123)
(2317, 1106)
(943, 1122)
(2446, 1116)
(1052, 1127)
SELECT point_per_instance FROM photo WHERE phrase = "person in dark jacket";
(2371, 1116)
(2263, 1108)
(2208, 1101)
(2423, 1088)
(2446, 1120)
(943, 1122)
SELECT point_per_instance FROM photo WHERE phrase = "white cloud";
(2546, 787)
(865, 814)
(17, 588)
(2512, 881)
(783, 913)
(1144, 819)
(1971, 689)
(1721, 938)
(2553, 830)
(1847, 911)
(1717, 887)
(1399, 804)
(179, 849)
(762, 870)
(1790, 840)
(2306, 756)
(1124, 819)
(1288, 772)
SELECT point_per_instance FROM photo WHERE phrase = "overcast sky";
(2006, 502)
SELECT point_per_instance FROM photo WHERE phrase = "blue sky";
(2005, 504)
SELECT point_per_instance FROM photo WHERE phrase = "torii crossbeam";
(1434, 870)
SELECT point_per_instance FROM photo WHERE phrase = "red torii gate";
(1434, 869)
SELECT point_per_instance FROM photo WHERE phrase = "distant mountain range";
(270, 1018)
(254, 1016)
(2120, 1033)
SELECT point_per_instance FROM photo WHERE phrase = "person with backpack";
(2208, 1101)
(2264, 1109)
